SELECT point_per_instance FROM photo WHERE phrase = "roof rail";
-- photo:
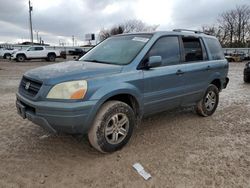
(187, 30)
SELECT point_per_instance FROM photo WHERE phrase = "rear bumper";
(72, 118)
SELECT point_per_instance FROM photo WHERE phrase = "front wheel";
(7, 56)
(20, 58)
(112, 127)
(208, 104)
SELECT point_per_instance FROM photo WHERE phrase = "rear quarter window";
(214, 48)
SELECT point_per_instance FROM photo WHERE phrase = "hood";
(71, 70)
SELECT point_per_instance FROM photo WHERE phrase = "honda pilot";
(123, 79)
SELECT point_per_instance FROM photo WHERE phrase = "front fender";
(104, 93)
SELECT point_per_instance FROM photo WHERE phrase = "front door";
(163, 86)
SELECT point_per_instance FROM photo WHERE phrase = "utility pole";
(73, 40)
(30, 20)
(37, 38)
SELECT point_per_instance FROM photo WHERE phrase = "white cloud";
(154, 12)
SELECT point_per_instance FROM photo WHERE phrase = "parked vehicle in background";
(77, 51)
(234, 57)
(5, 53)
(247, 73)
(35, 52)
(124, 78)
(246, 57)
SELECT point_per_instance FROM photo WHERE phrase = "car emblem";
(27, 85)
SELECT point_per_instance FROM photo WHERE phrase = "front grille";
(30, 87)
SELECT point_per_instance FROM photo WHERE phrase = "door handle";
(179, 72)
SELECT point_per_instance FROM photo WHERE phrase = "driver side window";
(168, 48)
(31, 49)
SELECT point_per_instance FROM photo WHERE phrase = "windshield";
(120, 50)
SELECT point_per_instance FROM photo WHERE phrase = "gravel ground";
(178, 148)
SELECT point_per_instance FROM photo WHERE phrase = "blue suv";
(123, 79)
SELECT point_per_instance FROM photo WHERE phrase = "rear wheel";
(208, 104)
(20, 58)
(51, 57)
(6, 56)
(113, 127)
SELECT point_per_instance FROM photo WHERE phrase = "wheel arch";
(51, 53)
(217, 83)
(126, 96)
(22, 54)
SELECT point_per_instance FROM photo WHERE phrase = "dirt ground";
(178, 148)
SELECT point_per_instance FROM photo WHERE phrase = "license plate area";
(21, 109)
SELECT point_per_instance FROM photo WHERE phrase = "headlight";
(68, 90)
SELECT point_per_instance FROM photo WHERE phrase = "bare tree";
(215, 30)
(129, 26)
(235, 25)
(243, 18)
(227, 22)
(132, 26)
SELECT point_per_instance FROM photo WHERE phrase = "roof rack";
(187, 30)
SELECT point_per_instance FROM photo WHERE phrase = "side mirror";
(154, 61)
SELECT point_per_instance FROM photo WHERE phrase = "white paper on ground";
(44, 136)
(139, 168)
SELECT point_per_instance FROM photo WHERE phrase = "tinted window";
(31, 49)
(192, 49)
(39, 48)
(214, 48)
(168, 48)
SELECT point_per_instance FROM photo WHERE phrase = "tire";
(112, 127)
(6, 56)
(247, 78)
(20, 58)
(51, 57)
(208, 104)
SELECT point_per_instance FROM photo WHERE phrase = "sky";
(58, 20)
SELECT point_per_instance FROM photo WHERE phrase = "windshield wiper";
(97, 61)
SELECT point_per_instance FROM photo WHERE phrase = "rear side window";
(39, 48)
(192, 49)
(168, 48)
(215, 49)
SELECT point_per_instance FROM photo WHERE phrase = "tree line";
(129, 26)
(232, 27)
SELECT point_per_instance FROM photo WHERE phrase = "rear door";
(196, 70)
(163, 86)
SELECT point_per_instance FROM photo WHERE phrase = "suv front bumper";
(72, 118)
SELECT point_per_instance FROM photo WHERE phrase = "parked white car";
(35, 52)
(6, 53)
